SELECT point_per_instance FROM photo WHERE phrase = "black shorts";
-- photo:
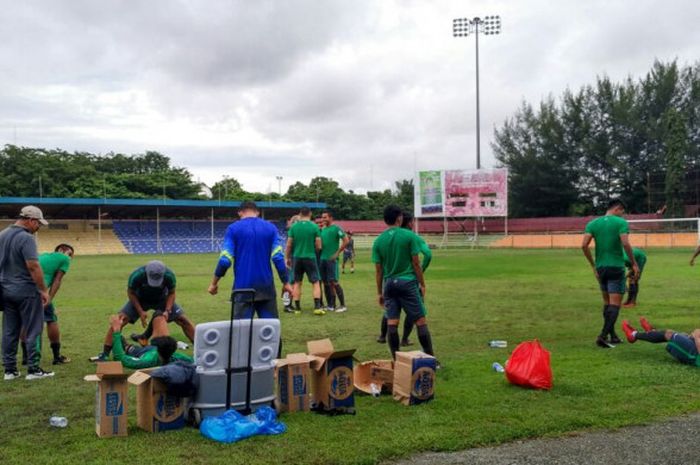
(305, 266)
(329, 271)
(403, 294)
(612, 279)
(347, 256)
(50, 314)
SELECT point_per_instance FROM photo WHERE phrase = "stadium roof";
(67, 208)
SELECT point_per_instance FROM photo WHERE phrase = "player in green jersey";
(333, 242)
(427, 257)
(399, 279)
(611, 235)
(54, 265)
(632, 279)
(303, 240)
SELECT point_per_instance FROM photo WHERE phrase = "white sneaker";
(10, 375)
(38, 373)
(341, 309)
(329, 309)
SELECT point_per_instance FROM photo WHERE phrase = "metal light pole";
(279, 184)
(462, 27)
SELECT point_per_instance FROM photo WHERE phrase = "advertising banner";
(461, 193)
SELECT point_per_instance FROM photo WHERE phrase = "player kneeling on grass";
(632, 278)
(682, 347)
(161, 349)
(150, 287)
(399, 279)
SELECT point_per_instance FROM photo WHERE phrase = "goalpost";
(666, 232)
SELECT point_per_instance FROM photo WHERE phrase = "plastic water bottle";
(286, 299)
(497, 367)
(182, 345)
(58, 422)
(495, 344)
(375, 390)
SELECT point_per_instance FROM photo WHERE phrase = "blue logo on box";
(113, 404)
(298, 385)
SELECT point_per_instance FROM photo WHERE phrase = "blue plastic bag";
(231, 426)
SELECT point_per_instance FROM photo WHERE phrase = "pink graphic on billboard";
(476, 193)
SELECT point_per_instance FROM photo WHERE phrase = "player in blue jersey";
(249, 245)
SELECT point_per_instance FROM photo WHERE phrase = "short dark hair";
(391, 214)
(328, 212)
(407, 218)
(248, 205)
(166, 346)
(64, 246)
(612, 203)
(304, 211)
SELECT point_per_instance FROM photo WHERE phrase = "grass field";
(473, 296)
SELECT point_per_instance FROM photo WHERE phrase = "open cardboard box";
(111, 399)
(156, 410)
(293, 373)
(377, 372)
(414, 377)
(332, 376)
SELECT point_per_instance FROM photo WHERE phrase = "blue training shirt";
(249, 245)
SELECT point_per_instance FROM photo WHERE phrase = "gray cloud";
(361, 91)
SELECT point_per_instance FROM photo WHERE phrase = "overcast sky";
(364, 92)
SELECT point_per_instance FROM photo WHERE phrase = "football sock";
(149, 330)
(393, 340)
(614, 313)
(632, 295)
(604, 329)
(297, 305)
(56, 349)
(655, 337)
(407, 328)
(425, 340)
(327, 291)
(341, 295)
(317, 304)
(383, 330)
(106, 349)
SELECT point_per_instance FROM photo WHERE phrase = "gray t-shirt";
(14, 276)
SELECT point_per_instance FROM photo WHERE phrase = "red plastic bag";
(529, 366)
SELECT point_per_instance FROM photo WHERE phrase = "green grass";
(473, 296)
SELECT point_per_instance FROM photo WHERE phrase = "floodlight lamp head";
(461, 27)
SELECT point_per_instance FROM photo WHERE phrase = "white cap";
(34, 213)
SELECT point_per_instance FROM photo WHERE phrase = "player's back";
(253, 240)
(394, 249)
(606, 231)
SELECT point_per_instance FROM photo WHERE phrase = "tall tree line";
(610, 139)
(37, 172)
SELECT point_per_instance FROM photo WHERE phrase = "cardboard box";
(414, 377)
(111, 399)
(156, 410)
(292, 375)
(378, 372)
(331, 377)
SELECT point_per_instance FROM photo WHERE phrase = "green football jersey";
(330, 240)
(51, 263)
(394, 250)
(304, 234)
(639, 256)
(606, 231)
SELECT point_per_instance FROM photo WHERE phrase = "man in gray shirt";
(24, 293)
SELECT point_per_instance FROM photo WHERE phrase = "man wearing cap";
(150, 287)
(250, 244)
(24, 293)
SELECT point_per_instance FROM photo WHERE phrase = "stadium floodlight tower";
(463, 27)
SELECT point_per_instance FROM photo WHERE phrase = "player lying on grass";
(683, 347)
(160, 351)
(633, 279)
(427, 257)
